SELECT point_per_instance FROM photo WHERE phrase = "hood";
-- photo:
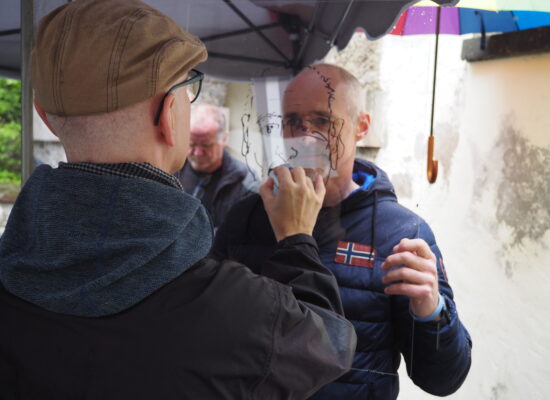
(89, 245)
(371, 180)
(374, 187)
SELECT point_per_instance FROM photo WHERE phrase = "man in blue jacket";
(385, 258)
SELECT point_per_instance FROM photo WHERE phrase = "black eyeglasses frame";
(198, 77)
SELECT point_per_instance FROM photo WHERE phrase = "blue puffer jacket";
(437, 354)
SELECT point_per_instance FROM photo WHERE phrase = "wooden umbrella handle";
(432, 164)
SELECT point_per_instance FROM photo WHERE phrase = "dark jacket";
(437, 355)
(221, 189)
(105, 294)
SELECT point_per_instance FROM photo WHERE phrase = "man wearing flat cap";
(105, 288)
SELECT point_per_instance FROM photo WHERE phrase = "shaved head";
(325, 103)
(355, 95)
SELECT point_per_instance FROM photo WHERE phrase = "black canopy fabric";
(245, 38)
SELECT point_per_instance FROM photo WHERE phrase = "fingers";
(418, 246)
(319, 186)
(283, 176)
(410, 260)
(299, 175)
(410, 290)
(416, 276)
(295, 208)
(414, 253)
(266, 189)
(409, 275)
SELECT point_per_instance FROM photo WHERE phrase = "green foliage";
(10, 100)
(10, 131)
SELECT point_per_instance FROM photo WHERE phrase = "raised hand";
(416, 275)
(296, 206)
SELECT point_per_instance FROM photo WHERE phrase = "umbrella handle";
(432, 164)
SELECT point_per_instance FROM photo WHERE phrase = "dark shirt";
(220, 190)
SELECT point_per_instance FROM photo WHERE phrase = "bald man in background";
(210, 173)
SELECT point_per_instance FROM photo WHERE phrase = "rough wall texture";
(213, 92)
(361, 57)
(50, 153)
(5, 209)
(524, 194)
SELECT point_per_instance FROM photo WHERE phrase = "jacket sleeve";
(312, 342)
(437, 354)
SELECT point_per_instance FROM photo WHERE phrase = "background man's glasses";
(194, 83)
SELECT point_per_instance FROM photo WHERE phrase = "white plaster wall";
(490, 207)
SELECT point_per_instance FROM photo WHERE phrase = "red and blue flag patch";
(360, 255)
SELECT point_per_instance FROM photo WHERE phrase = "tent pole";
(27, 36)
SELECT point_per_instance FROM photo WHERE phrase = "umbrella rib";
(298, 58)
(340, 24)
(248, 59)
(238, 32)
(255, 28)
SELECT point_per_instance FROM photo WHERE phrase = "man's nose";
(197, 151)
(304, 126)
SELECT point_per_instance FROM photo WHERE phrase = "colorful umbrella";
(453, 20)
(459, 21)
(500, 5)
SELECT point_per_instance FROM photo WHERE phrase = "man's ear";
(225, 138)
(167, 123)
(363, 124)
(43, 116)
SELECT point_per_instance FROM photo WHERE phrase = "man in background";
(210, 173)
(105, 288)
(385, 257)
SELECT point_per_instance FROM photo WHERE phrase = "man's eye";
(320, 121)
(294, 122)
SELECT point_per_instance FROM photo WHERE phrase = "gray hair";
(209, 112)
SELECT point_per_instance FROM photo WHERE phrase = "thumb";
(266, 189)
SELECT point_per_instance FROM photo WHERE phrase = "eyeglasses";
(194, 81)
(319, 126)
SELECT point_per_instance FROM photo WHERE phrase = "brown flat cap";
(97, 56)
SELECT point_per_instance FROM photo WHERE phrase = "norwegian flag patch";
(360, 255)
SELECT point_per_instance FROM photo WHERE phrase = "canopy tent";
(245, 38)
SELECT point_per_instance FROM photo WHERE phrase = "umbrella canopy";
(245, 38)
(454, 20)
(500, 5)
(458, 21)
